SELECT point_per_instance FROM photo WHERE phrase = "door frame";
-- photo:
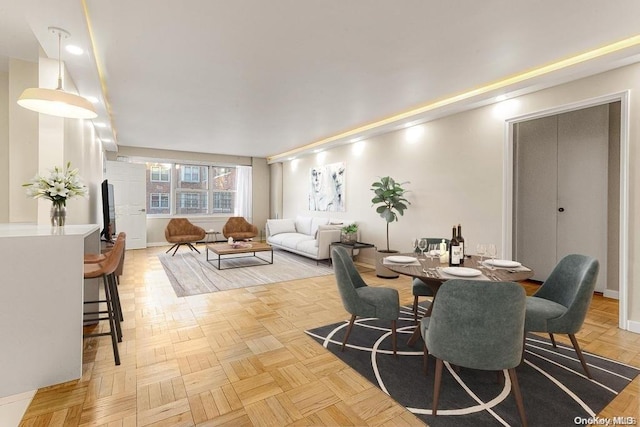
(507, 186)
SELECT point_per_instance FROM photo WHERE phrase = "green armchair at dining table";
(362, 300)
(560, 305)
(476, 324)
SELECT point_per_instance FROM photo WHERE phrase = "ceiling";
(272, 78)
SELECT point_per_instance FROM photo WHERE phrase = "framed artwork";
(326, 188)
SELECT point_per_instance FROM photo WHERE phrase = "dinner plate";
(462, 271)
(503, 263)
(400, 259)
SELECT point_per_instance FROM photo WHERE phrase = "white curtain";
(243, 205)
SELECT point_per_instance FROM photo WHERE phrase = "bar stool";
(106, 270)
(98, 258)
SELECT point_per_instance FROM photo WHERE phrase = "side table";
(211, 236)
(350, 246)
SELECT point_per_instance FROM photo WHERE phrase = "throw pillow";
(303, 225)
(278, 226)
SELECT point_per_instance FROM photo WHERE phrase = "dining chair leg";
(436, 386)
(415, 309)
(346, 336)
(425, 359)
(515, 387)
(394, 338)
(553, 340)
(574, 341)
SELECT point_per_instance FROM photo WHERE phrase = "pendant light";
(57, 102)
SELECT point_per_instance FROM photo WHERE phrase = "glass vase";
(348, 238)
(58, 215)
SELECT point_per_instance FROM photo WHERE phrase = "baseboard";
(633, 326)
(610, 294)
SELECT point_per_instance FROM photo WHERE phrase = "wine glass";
(481, 249)
(492, 252)
(434, 250)
(422, 245)
(414, 242)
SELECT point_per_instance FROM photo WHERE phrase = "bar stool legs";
(106, 269)
(114, 324)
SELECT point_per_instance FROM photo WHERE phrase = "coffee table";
(227, 250)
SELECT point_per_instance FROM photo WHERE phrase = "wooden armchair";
(239, 229)
(180, 232)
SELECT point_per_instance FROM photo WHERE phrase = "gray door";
(561, 189)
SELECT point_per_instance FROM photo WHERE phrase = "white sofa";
(305, 235)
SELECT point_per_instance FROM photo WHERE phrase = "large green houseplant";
(389, 200)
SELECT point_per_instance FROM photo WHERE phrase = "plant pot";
(382, 271)
(348, 238)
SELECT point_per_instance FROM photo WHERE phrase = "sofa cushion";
(303, 224)
(315, 223)
(308, 247)
(293, 240)
(278, 226)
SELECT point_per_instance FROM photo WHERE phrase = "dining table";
(434, 273)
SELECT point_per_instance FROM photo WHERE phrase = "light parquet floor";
(241, 358)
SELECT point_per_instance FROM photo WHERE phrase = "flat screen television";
(108, 212)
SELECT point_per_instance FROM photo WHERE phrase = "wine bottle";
(463, 249)
(454, 250)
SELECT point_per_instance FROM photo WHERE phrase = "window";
(159, 201)
(160, 173)
(224, 188)
(193, 189)
(190, 173)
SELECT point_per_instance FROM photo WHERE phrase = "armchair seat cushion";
(185, 238)
(540, 311)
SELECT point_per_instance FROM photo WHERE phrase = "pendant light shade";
(57, 102)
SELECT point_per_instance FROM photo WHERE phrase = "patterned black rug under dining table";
(554, 388)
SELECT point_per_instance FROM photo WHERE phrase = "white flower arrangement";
(58, 186)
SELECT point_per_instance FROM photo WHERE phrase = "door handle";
(560, 209)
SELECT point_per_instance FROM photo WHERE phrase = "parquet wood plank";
(256, 388)
(241, 358)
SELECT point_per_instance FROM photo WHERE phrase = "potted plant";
(349, 234)
(390, 202)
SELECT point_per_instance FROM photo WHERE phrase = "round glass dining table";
(433, 274)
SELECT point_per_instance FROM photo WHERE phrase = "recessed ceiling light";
(92, 99)
(501, 98)
(74, 50)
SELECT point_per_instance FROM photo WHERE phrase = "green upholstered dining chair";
(479, 325)
(560, 305)
(362, 300)
(418, 287)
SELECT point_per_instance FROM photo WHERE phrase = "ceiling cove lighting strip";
(500, 84)
(103, 84)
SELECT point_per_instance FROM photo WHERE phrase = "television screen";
(108, 212)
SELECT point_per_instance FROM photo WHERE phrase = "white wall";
(37, 143)
(455, 166)
(4, 146)
(23, 141)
